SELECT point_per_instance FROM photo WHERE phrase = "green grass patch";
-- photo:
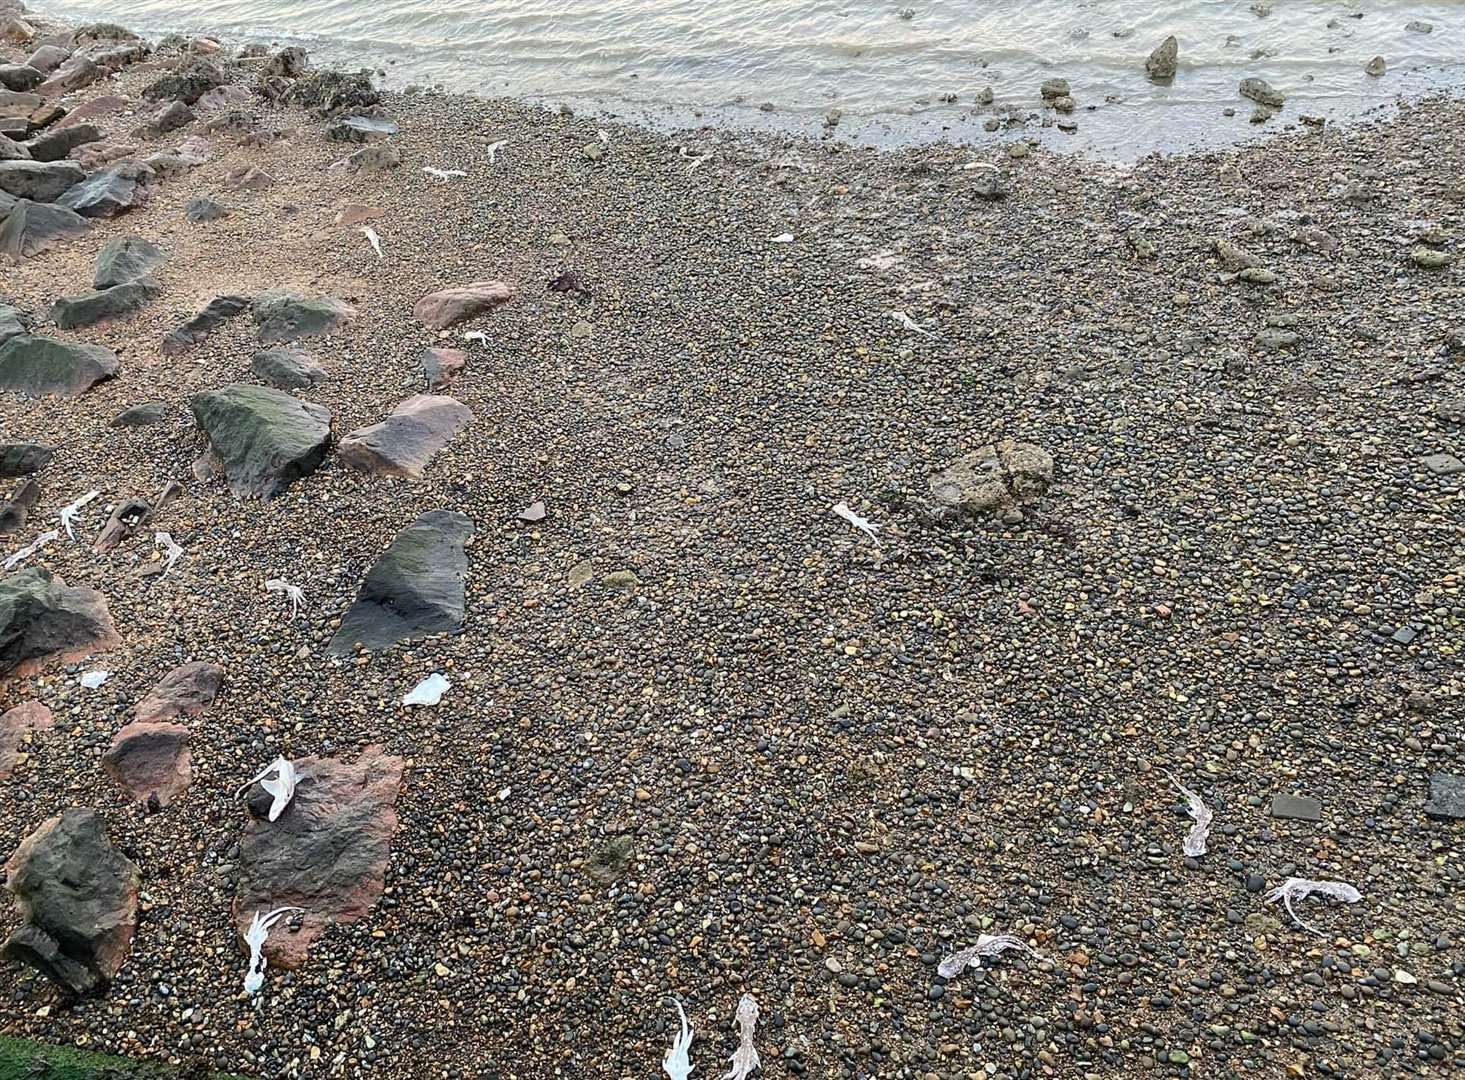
(22, 1059)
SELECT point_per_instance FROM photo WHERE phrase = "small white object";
(745, 1057)
(676, 1064)
(493, 150)
(476, 335)
(373, 239)
(68, 513)
(869, 528)
(442, 174)
(93, 680)
(171, 552)
(604, 135)
(910, 324)
(1195, 841)
(782, 238)
(294, 593)
(429, 691)
(281, 786)
(255, 937)
(30, 549)
(1300, 889)
(987, 946)
(694, 159)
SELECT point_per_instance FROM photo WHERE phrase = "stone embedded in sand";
(106, 105)
(994, 477)
(360, 129)
(57, 143)
(248, 178)
(287, 368)
(440, 365)
(170, 117)
(23, 458)
(78, 896)
(219, 310)
(356, 213)
(187, 690)
(403, 443)
(110, 192)
(326, 853)
(39, 181)
(31, 228)
(42, 618)
(1161, 63)
(414, 589)
(285, 315)
(15, 727)
(193, 78)
(201, 209)
(20, 77)
(40, 366)
(446, 308)
(264, 438)
(151, 761)
(88, 309)
(1260, 91)
(377, 158)
(77, 72)
(140, 415)
(222, 97)
(125, 259)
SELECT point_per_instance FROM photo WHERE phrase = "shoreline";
(834, 762)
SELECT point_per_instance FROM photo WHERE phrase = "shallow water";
(885, 66)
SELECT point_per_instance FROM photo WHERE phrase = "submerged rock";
(285, 315)
(125, 259)
(43, 619)
(264, 439)
(78, 896)
(403, 443)
(448, 307)
(87, 309)
(31, 228)
(1055, 88)
(287, 368)
(15, 727)
(40, 366)
(414, 589)
(994, 477)
(1161, 63)
(1260, 91)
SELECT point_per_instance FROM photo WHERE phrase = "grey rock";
(48, 58)
(1055, 88)
(1376, 67)
(1161, 63)
(31, 228)
(287, 368)
(111, 191)
(284, 315)
(75, 73)
(374, 159)
(42, 618)
(20, 77)
(10, 150)
(991, 185)
(360, 129)
(330, 93)
(289, 63)
(125, 259)
(1419, 26)
(39, 181)
(12, 323)
(87, 309)
(194, 77)
(1446, 796)
(219, 309)
(141, 415)
(994, 477)
(404, 443)
(170, 117)
(40, 366)
(1297, 807)
(1443, 464)
(1260, 91)
(201, 209)
(415, 589)
(55, 144)
(22, 458)
(264, 439)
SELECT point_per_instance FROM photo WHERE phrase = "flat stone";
(1297, 807)
(287, 368)
(151, 761)
(1446, 796)
(40, 366)
(111, 191)
(248, 178)
(31, 228)
(1443, 464)
(39, 181)
(1261, 92)
(143, 415)
(201, 209)
(356, 213)
(219, 310)
(96, 108)
(264, 439)
(15, 727)
(404, 443)
(23, 458)
(124, 259)
(187, 690)
(448, 307)
(377, 158)
(441, 365)
(57, 143)
(88, 309)
(993, 477)
(285, 315)
(326, 853)
(414, 589)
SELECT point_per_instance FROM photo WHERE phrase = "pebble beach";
(705, 737)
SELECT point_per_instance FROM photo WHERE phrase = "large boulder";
(326, 853)
(151, 761)
(71, 312)
(193, 78)
(77, 72)
(125, 259)
(187, 690)
(31, 228)
(415, 588)
(78, 896)
(111, 191)
(39, 181)
(448, 307)
(57, 143)
(15, 727)
(34, 366)
(264, 438)
(285, 315)
(23, 458)
(219, 310)
(10, 150)
(287, 368)
(20, 77)
(403, 443)
(994, 477)
(43, 619)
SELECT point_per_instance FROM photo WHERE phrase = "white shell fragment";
(869, 528)
(1195, 840)
(373, 239)
(442, 174)
(429, 691)
(910, 324)
(30, 549)
(255, 937)
(782, 238)
(745, 1058)
(294, 593)
(677, 1064)
(987, 946)
(493, 150)
(281, 787)
(68, 513)
(171, 551)
(1300, 889)
(93, 680)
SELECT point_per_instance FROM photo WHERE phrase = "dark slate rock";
(332, 92)
(1298, 807)
(39, 181)
(20, 77)
(54, 145)
(125, 259)
(1446, 796)
(201, 209)
(31, 228)
(194, 78)
(88, 309)
(12, 323)
(170, 117)
(287, 368)
(283, 315)
(22, 458)
(78, 896)
(111, 191)
(415, 588)
(220, 309)
(264, 438)
(33, 366)
(149, 412)
(41, 618)
(10, 150)
(360, 129)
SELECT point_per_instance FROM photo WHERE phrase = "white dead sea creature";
(30, 549)
(442, 174)
(745, 1058)
(866, 526)
(278, 778)
(429, 691)
(373, 239)
(694, 159)
(493, 150)
(782, 238)
(677, 1064)
(294, 593)
(476, 335)
(1299, 889)
(1195, 840)
(910, 324)
(987, 946)
(68, 513)
(171, 551)
(255, 937)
